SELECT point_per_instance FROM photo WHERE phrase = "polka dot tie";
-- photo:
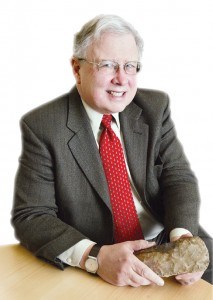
(126, 223)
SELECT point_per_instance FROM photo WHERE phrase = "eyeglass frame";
(116, 65)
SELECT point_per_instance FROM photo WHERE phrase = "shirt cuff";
(73, 255)
(178, 232)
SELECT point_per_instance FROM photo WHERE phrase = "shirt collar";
(96, 117)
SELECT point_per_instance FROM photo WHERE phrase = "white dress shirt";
(150, 226)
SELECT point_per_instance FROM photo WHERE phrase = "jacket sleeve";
(178, 183)
(34, 214)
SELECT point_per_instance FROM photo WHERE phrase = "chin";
(116, 108)
(121, 106)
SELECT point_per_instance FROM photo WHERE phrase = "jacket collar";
(83, 146)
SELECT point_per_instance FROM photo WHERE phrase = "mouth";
(116, 94)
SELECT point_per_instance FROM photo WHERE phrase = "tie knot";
(106, 121)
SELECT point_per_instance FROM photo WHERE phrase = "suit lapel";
(83, 146)
(135, 135)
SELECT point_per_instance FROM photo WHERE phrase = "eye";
(131, 66)
(107, 64)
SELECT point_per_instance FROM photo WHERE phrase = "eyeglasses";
(111, 67)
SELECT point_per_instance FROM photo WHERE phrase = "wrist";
(89, 260)
(85, 255)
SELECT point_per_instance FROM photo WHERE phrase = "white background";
(36, 45)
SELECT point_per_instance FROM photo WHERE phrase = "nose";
(120, 77)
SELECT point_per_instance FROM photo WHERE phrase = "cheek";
(100, 81)
(133, 82)
(93, 90)
(93, 82)
(133, 86)
(98, 87)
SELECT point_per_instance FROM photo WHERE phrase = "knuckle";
(119, 283)
(119, 278)
(143, 272)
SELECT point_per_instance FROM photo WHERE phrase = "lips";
(116, 94)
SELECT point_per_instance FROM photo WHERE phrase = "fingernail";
(161, 283)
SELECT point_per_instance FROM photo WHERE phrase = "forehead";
(119, 47)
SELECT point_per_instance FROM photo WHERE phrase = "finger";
(144, 271)
(136, 280)
(175, 238)
(140, 244)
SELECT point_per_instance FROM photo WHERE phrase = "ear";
(76, 69)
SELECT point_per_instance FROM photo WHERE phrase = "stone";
(186, 255)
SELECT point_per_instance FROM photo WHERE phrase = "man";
(65, 199)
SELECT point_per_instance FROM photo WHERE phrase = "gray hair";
(96, 27)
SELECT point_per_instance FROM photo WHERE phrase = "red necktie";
(126, 223)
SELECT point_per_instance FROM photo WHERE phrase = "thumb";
(140, 244)
(175, 238)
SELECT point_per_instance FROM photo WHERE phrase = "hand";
(187, 278)
(119, 266)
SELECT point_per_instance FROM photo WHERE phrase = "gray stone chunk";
(186, 255)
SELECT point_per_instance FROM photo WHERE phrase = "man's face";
(107, 93)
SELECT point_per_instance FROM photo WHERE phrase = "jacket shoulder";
(47, 121)
(154, 97)
(153, 103)
(49, 111)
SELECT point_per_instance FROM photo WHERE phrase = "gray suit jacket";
(61, 194)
